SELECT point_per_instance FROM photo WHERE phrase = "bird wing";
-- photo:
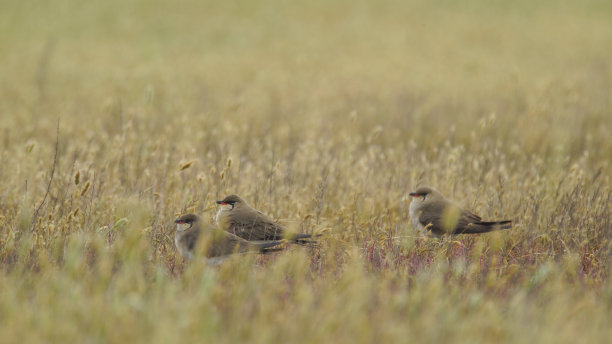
(190, 238)
(252, 225)
(431, 216)
(444, 217)
(469, 217)
(224, 243)
(466, 219)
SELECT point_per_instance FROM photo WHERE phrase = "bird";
(221, 244)
(237, 217)
(431, 212)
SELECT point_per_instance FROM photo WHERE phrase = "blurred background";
(322, 114)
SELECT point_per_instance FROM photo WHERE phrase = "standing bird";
(238, 218)
(221, 245)
(430, 211)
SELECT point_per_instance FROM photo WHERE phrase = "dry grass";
(330, 112)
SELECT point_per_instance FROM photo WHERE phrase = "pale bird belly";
(219, 217)
(181, 248)
(176, 243)
(414, 216)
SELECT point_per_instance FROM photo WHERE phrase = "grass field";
(324, 115)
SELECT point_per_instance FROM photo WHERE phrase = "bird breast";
(177, 238)
(182, 246)
(221, 216)
(414, 214)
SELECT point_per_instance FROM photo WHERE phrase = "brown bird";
(237, 217)
(221, 244)
(430, 211)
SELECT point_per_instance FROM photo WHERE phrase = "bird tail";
(270, 246)
(304, 239)
(270, 250)
(484, 227)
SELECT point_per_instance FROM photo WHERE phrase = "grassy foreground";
(324, 115)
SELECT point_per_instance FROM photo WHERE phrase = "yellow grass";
(324, 115)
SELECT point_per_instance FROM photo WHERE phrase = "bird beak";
(221, 202)
(413, 194)
(178, 221)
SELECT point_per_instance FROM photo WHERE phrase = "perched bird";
(237, 217)
(430, 211)
(221, 244)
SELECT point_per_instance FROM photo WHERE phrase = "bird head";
(184, 222)
(424, 192)
(231, 200)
